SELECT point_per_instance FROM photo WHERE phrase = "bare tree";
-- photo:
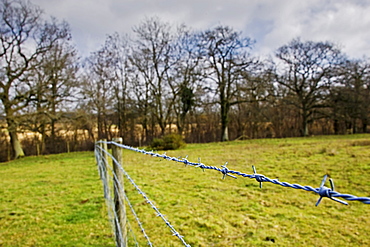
(249, 113)
(24, 36)
(55, 78)
(305, 70)
(97, 88)
(142, 98)
(226, 59)
(350, 95)
(152, 59)
(187, 75)
(118, 50)
(106, 86)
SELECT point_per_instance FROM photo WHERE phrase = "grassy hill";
(57, 200)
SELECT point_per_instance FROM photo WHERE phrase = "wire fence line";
(104, 168)
(109, 199)
(322, 191)
(99, 151)
(107, 176)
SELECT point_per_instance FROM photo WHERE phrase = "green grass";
(53, 200)
(57, 200)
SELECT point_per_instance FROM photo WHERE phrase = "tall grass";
(57, 200)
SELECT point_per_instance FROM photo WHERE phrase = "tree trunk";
(12, 129)
(224, 121)
(354, 126)
(336, 127)
(53, 136)
(305, 129)
(304, 124)
(163, 129)
(364, 127)
(100, 126)
(43, 138)
(225, 134)
(180, 129)
(180, 123)
(224, 127)
(145, 135)
(16, 145)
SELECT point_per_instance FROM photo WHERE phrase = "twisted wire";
(112, 215)
(130, 231)
(137, 220)
(159, 214)
(322, 190)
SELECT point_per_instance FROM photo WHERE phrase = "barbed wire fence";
(112, 176)
(112, 173)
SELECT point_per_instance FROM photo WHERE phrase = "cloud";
(347, 24)
(342, 22)
(271, 23)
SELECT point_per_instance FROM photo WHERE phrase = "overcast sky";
(272, 23)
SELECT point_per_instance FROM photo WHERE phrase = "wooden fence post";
(119, 205)
(104, 153)
(104, 167)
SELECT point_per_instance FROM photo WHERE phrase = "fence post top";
(118, 139)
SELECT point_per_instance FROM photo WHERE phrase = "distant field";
(57, 200)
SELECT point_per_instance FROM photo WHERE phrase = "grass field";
(57, 200)
(53, 200)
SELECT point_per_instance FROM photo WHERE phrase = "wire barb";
(185, 160)
(199, 164)
(326, 192)
(259, 178)
(225, 171)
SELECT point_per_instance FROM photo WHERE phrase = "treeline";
(206, 85)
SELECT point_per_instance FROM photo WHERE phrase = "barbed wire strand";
(111, 211)
(109, 199)
(118, 187)
(130, 231)
(322, 191)
(137, 220)
(159, 214)
(162, 216)
(109, 195)
(112, 215)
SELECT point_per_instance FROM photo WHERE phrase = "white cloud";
(272, 23)
(343, 22)
(346, 23)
